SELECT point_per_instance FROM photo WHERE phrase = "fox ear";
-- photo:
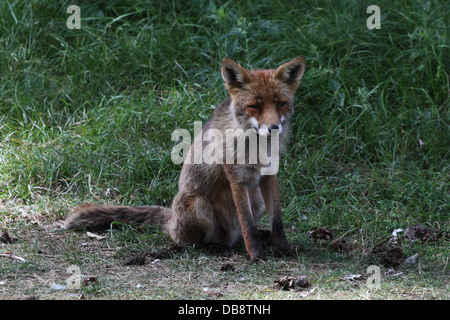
(234, 75)
(291, 72)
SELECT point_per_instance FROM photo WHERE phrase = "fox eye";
(281, 104)
(254, 106)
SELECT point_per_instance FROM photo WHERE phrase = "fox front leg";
(252, 240)
(241, 199)
(270, 190)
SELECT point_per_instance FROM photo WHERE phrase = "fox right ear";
(234, 75)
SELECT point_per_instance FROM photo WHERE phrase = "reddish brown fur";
(219, 203)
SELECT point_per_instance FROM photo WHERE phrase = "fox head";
(263, 99)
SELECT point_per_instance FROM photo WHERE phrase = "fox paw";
(282, 251)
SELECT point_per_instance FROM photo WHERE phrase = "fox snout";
(273, 127)
(268, 130)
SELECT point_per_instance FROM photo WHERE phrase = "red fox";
(220, 203)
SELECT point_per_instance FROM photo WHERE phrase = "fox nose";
(273, 127)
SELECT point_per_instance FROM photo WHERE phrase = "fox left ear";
(291, 72)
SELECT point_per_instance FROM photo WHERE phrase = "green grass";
(87, 115)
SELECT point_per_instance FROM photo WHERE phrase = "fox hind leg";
(192, 221)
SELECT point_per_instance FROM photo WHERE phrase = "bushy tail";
(99, 217)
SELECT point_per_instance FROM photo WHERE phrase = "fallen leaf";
(419, 232)
(227, 267)
(90, 280)
(5, 238)
(396, 232)
(353, 277)
(212, 292)
(341, 245)
(391, 273)
(12, 256)
(396, 237)
(56, 286)
(289, 283)
(95, 236)
(387, 254)
(138, 259)
(165, 253)
(421, 143)
(412, 259)
(391, 257)
(320, 234)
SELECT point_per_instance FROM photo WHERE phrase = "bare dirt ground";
(38, 260)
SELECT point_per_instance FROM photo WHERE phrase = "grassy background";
(87, 115)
